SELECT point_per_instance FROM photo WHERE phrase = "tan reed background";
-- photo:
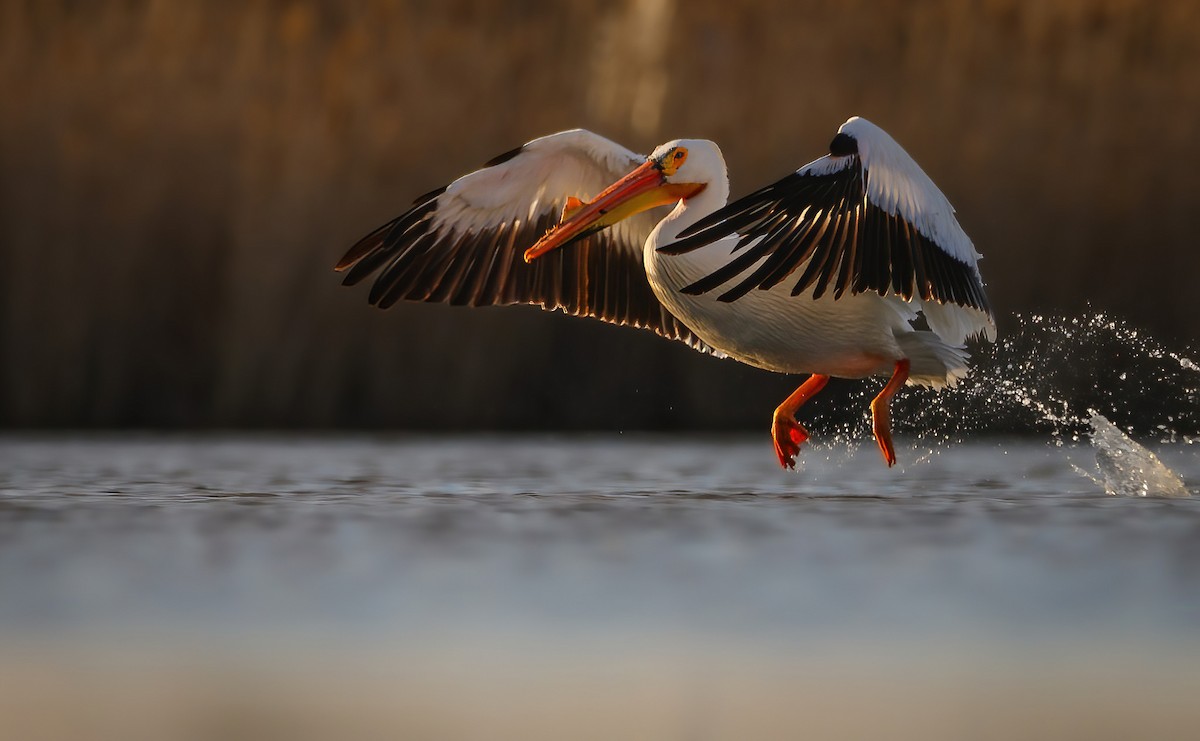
(177, 177)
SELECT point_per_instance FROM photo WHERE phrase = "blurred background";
(178, 178)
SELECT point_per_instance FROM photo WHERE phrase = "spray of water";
(1054, 376)
(1125, 468)
(1048, 374)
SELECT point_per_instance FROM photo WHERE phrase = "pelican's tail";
(933, 362)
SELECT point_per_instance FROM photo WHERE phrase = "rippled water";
(689, 567)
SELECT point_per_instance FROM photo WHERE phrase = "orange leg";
(881, 412)
(787, 433)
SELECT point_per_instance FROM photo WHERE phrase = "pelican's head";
(690, 161)
(675, 171)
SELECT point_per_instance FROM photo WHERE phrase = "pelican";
(851, 266)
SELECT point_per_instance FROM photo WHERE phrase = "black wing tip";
(361, 249)
(382, 237)
(352, 278)
(681, 246)
(693, 229)
(427, 197)
(500, 159)
(718, 223)
(843, 145)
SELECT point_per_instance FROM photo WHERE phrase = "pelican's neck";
(690, 210)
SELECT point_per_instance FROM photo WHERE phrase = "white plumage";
(535, 181)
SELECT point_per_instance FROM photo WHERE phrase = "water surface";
(683, 584)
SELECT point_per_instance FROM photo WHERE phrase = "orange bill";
(642, 189)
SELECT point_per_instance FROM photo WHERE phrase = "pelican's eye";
(674, 159)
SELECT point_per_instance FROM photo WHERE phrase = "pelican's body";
(853, 337)
(874, 242)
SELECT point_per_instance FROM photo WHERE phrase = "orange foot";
(788, 436)
(881, 412)
(882, 427)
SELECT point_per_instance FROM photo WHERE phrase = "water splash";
(1050, 374)
(1046, 376)
(1125, 468)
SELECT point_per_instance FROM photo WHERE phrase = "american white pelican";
(851, 266)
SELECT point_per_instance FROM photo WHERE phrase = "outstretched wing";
(463, 244)
(863, 218)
